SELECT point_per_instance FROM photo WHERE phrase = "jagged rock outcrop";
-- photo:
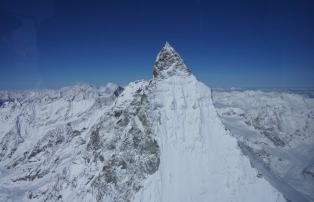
(168, 63)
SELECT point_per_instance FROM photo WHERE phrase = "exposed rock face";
(168, 63)
(123, 147)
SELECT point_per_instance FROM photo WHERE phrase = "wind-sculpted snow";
(276, 130)
(159, 140)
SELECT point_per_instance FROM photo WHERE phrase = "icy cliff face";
(159, 140)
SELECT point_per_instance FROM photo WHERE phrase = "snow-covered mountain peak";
(168, 63)
(168, 46)
(155, 141)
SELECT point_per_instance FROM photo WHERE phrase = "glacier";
(160, 140)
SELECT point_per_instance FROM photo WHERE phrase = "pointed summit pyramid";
(199, 159)
(168, 63)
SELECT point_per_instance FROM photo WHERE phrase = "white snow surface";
(276, 131)
(199, 159)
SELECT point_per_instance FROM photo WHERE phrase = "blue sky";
(49, 44)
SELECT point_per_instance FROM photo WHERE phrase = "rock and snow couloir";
(155, 141)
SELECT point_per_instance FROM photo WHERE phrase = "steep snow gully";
(153, 141)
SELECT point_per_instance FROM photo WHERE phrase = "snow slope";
(276, 131)
(199, 159)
